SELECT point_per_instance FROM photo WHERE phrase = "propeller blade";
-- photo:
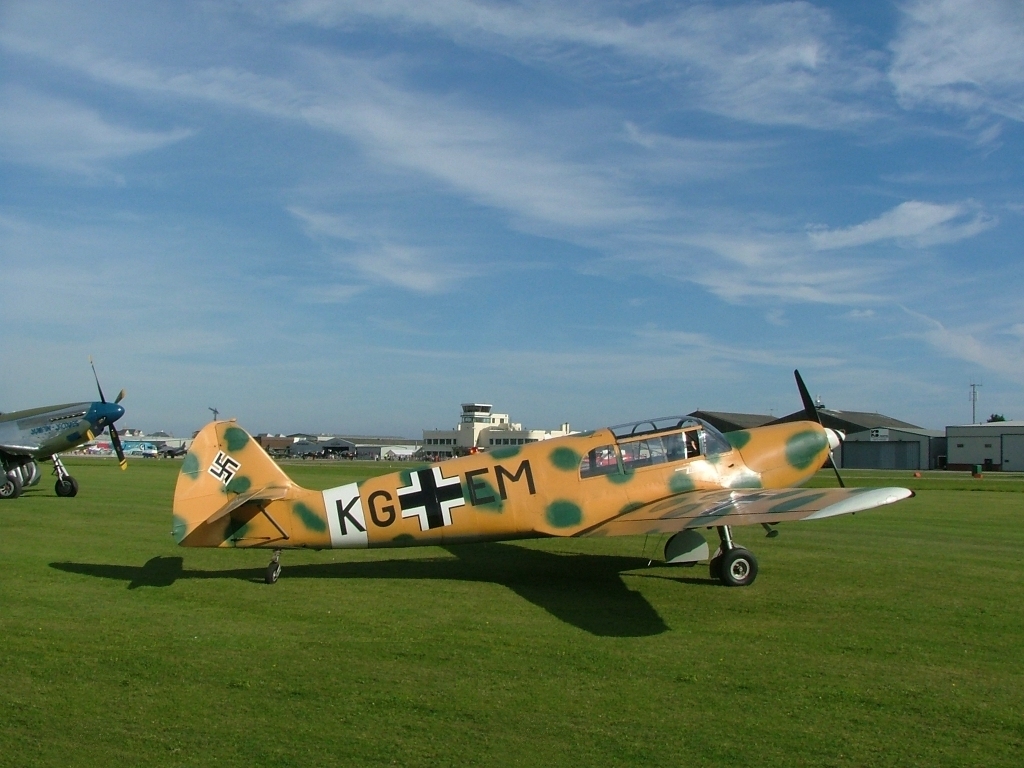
(120, 396)
(811, 411)
(116, 441)
(835, 468)
(809, 407)
(102, 398)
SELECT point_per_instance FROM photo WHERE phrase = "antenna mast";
(974, 402)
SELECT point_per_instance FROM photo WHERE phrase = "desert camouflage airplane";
(661, 476)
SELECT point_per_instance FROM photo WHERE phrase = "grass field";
(895, 637)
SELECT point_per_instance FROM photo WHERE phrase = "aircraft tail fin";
(226, 480)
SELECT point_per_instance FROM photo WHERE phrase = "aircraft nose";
(116, 412)
(835, 438)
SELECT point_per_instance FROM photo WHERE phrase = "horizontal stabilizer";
(266, 493)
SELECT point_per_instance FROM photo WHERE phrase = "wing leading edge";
(745, 507)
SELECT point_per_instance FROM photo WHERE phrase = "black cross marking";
(223, 467)
(430, 496)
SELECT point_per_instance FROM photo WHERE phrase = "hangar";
(894, 448)
(996, 446)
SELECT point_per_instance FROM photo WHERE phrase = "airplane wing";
(22, 450)
(745, 507)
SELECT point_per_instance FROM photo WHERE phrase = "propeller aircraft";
(669, 476)
(39, 434)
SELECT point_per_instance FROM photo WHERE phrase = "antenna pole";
(974, 402)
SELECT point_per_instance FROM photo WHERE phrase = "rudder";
(225, 469)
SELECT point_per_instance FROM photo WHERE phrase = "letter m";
(502, 473)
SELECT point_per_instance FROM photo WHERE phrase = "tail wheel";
(11, 487)
(67, 487)
(273, 572)
(738, 567)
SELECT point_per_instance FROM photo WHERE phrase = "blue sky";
(352, 217)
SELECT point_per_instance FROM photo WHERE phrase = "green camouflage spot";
(404, 538)
(482, 489)
(505, 452)
(178, 528)
(746, 480)
(564, 514)
(405, 478)
(236, 529)
(799, 501)
(565, 459)
(804, 447)
(681, 482)
(190, 466)
(238, 485)
(632, 506)
(738, 439)
(235, 438)
(619, 478)
(309, 518)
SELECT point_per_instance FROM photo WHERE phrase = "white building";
(480, 429)
(995, 445)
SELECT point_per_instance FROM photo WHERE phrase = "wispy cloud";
(967, 344)
(708, 348)
(377, 258)
(962, 55)
(64, 135)
(914, 222)
(783, 63)
(496, 163)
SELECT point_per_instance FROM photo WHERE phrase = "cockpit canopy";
(654, 441)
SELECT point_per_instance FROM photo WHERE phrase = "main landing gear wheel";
(274, 569)
(11, 487)
(738, 567)
(66, 487)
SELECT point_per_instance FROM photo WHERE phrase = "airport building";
(479, 429)
(894, 448)
(995, 446)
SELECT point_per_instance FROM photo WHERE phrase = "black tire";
(66, 488)
(273, 573)
(11, 486)
(738, 568)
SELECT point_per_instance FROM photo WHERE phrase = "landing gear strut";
(734, 566)
(66, 486)
(274, 569)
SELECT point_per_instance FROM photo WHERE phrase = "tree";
(996, 417)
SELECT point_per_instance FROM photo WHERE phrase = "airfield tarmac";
(888, 638)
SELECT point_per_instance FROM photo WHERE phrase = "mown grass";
(889, 638)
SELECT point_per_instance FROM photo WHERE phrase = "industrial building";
(479, 429)
(893, 448)
(995, 446)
